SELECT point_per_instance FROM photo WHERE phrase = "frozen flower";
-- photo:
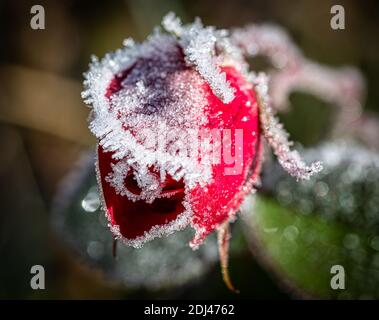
(179, 122)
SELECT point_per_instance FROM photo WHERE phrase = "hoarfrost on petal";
(199, 46)
(148, 120)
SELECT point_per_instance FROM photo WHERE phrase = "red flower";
(211, 205)
(179, 129)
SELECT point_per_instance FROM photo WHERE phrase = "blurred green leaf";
(301, 250)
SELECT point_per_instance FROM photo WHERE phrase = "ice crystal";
(157, 231)
(267, 40)
(149, 101)
(161, 94)
(343, 87)
(86, 233)
(273, 131)
(199, 45)
(346, 190)
(161, 100)
(146, 180)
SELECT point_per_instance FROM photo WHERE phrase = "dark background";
(43, 128)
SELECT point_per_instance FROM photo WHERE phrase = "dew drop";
(91, 201)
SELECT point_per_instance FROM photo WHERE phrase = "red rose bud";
(231, 130)
(179, 131)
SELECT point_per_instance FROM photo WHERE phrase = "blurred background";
(289, 238)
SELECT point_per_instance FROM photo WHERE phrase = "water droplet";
(91, 201)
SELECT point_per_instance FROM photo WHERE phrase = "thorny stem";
(223, 238)
(273, 131)
(343, 87)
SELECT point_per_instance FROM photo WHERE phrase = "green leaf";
(301, 250)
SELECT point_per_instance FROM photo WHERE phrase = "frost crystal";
(273, 131)
(267, 40)
(199, 45)
(343, 87)
(150, 102)
(153, 118)
(146, 180)
(159, 94)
